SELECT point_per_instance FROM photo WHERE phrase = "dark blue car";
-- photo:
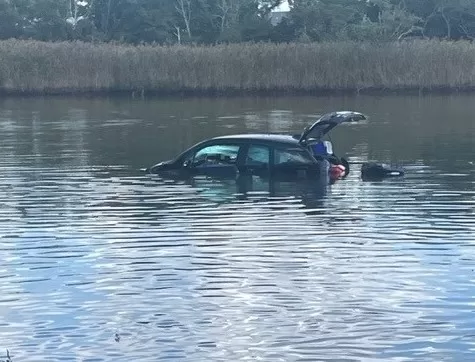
(268, 155)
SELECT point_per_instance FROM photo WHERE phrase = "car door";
(216, 159)
(294, 163)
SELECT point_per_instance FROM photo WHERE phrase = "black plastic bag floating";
(379, 171)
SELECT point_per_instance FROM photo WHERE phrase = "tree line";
(234, 21)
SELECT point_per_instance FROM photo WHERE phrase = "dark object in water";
(379, 171)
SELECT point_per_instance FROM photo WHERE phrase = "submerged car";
(305, 155)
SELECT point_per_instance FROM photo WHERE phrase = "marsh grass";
(33, 67)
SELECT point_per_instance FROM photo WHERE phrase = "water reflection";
(246, 269)
(221, 190)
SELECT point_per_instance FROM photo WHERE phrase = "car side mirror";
(186, 163)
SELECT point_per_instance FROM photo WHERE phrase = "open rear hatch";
(312, 137)
(326, 123)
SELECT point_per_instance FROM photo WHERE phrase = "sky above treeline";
(283, 7)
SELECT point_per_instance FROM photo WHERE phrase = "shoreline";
(230, 93)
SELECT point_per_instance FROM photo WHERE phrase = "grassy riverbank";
(32, 67)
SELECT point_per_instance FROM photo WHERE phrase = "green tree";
(232, 20)
(388, 20)
(325, 19)
(211, 21)
(47, 20)
(449, 19)
(134, 21)
(11, 22)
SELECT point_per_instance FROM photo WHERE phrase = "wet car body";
(261, 155)
(304, 156)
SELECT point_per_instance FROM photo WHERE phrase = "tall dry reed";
(39, 67)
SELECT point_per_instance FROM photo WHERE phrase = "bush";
(41, 67)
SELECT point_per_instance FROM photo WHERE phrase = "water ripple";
(100, 263)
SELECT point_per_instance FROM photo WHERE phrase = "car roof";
(262, 137)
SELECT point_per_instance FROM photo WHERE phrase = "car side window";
(292, 157)
(258, 156)
(216, 155)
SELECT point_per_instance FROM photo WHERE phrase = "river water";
(102, 263)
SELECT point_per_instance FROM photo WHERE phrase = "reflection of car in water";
(280, 156)
(308, 194)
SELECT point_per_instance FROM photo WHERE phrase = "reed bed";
(33, 67)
